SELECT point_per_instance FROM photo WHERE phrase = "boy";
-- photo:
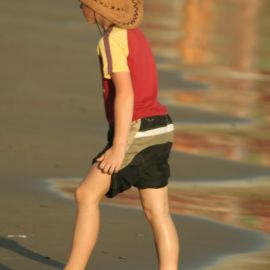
(140, 133)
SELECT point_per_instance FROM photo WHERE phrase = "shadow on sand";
(19, 249)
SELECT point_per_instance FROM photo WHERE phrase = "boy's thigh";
(95, 183)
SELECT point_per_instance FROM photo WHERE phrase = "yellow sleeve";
(113, 49)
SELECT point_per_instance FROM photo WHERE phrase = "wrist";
(119, 145)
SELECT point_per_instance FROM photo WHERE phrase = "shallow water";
(214, 64)
(214, 56)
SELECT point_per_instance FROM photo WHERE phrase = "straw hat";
(124, 13)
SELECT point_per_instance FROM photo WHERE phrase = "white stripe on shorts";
(155, 131)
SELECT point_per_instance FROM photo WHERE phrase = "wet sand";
(52, 121)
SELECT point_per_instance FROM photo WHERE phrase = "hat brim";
(123, 13)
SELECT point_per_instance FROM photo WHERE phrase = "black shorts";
(145, 163)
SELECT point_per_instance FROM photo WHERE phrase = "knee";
(83, 195)
(156, 213)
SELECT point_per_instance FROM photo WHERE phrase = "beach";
(53, 124)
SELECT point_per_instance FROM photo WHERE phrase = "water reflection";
(222, 44)
(220, 32)
(195, 26)
(206, 32)
(224, 47)
(242, 204)
(245, 205)
(246, 99)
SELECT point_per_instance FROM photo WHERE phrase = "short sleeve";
(113, 50)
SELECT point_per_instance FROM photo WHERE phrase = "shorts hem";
(155, 187)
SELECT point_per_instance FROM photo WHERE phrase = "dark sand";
(52, 124)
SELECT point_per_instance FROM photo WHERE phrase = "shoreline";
(227, 202)
(130, 201)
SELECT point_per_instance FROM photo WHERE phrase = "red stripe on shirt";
(107, 49)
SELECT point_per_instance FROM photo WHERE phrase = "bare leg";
(88, 195)
(156, 209)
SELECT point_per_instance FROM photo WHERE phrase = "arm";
(112, 159)
(123, 107)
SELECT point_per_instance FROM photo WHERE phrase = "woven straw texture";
(124, 13)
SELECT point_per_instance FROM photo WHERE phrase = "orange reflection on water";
(232, 145)
(245, 206)
(233, 97)
(195, 28)
(246, 139)
(242, 203)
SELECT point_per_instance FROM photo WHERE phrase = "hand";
(111, 160)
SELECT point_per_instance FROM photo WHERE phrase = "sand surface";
(52, 124)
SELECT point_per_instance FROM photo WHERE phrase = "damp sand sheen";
(238, 204)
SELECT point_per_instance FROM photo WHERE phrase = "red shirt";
(129, 50)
